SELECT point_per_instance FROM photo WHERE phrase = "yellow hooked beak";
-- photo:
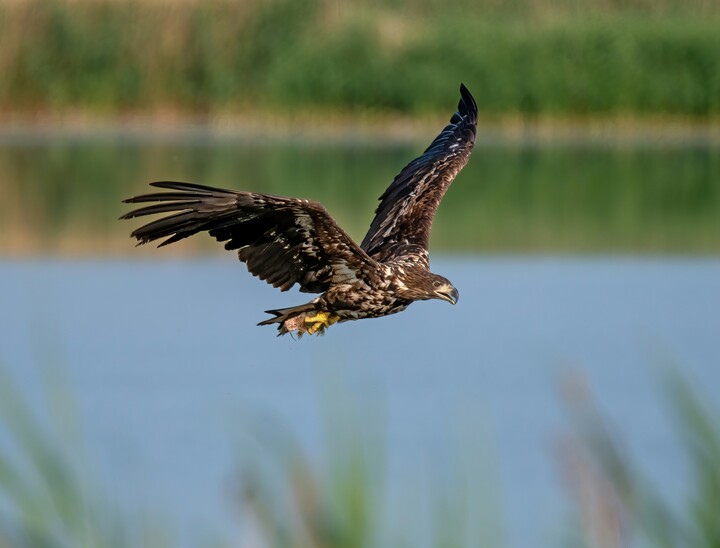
(448, 293)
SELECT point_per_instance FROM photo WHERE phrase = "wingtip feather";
(467, 105)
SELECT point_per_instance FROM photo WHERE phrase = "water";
(174, 379)
(169, 370)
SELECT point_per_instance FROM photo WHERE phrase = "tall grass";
(48, 494)
(290, 500)
(617, 503)
(524, 57)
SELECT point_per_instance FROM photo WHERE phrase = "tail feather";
(290, 319)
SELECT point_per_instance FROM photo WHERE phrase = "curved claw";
(320, 322)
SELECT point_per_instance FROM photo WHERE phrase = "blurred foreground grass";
(616, 503)
(48, 494)
(288, 500)
(526, 57)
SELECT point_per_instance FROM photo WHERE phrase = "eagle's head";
(418, 284)
(441, 288)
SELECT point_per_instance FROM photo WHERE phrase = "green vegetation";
(293, 501)
(345, 500)
(526, 58)
(47, 498)
(613, 494)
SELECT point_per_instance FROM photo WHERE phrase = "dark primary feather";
(283, 241)
(403, 219)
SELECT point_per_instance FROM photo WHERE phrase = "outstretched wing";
(405, 214)
(283, 241)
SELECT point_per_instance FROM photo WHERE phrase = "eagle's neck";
(409, 279)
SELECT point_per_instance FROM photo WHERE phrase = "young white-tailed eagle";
(288, 241)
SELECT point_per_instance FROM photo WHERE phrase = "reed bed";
(523, 58)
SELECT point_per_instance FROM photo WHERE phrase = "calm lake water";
(169, 371)
(174, 379)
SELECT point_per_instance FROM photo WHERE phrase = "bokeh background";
(569, 399)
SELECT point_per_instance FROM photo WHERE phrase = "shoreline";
(369, 129)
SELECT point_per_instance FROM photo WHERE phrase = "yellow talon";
(321, 317)
(320, 321)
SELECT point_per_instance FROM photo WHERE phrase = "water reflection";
(64, 195)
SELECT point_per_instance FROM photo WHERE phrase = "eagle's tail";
(302, 319)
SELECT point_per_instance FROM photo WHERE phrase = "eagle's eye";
(436, 283)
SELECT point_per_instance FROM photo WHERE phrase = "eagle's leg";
(301, 319)
(320, 322)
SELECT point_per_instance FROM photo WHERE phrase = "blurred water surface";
(169, 369)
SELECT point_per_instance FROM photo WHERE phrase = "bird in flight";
(288, 241)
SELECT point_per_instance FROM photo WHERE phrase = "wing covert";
(283, 241)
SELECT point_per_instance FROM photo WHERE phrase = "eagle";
(288, 241)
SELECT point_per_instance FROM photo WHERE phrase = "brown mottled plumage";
(288, 241)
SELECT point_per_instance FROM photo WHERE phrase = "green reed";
(49, 499)
(48, 494)
(645, 57)
(613, 496)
